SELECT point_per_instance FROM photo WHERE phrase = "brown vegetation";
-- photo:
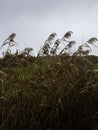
(57, 90)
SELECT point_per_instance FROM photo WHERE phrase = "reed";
(57, 90)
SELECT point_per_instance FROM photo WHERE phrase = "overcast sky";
(34, 20)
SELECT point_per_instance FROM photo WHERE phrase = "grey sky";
(34, 20)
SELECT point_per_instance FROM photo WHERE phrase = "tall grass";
(57, 90)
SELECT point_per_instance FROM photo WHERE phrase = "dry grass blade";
(68, 47)
(70, 44)
(11, 37)
(67, 35)
(92, 40)
(28, 50)
(2, 75)
(55, 48)
(52, 36)
(44, 51)
(57, 42)
(10, 40)
(87, 46)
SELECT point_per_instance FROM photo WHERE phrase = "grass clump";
(57, 90)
